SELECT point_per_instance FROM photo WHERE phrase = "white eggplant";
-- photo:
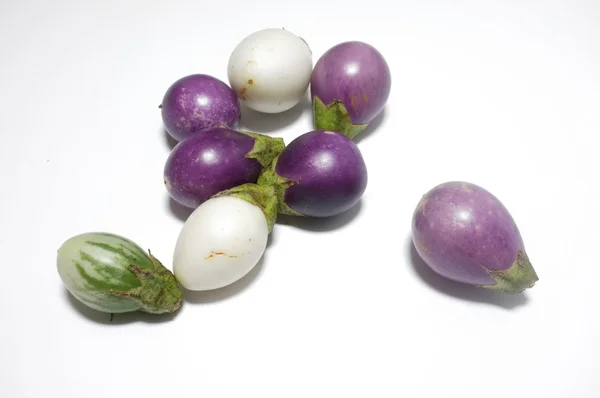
(225, 237)
(270, 70)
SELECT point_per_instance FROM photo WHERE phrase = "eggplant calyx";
(335, 117)
(269, 177)
(517, 278)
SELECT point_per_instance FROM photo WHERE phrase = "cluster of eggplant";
(238, 182)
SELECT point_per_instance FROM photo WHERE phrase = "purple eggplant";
(464, 233)
(197, 102)
(350, 85)
(214, 160)
(319, 174)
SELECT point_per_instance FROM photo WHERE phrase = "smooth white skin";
(221, 241)
(270, 70)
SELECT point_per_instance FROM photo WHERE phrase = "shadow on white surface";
(179, 211)
(325, 224)
(373, 127)
(117, 319)
(460, 290)
(170, 141)
(270, 122)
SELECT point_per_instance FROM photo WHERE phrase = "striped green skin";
(110, 273)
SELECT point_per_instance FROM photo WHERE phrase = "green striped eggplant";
(110, 273)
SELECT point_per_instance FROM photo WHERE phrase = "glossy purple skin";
(207, 163)
(355, 73)
(197, 102)
(460, 229)
(330, 172)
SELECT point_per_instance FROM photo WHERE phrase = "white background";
(504, 94)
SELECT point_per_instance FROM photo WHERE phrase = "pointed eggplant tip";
(516, 279)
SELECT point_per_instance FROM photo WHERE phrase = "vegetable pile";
(238, 182)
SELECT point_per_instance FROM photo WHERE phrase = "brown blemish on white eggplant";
(214, 254)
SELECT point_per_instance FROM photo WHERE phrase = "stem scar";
(422, 247)
(353, 102)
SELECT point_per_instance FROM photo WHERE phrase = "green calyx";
(110, 273)
(517, 278)
(265, 148)
(335, 117)
(269, 178)
(158, 292)
(262, 196)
